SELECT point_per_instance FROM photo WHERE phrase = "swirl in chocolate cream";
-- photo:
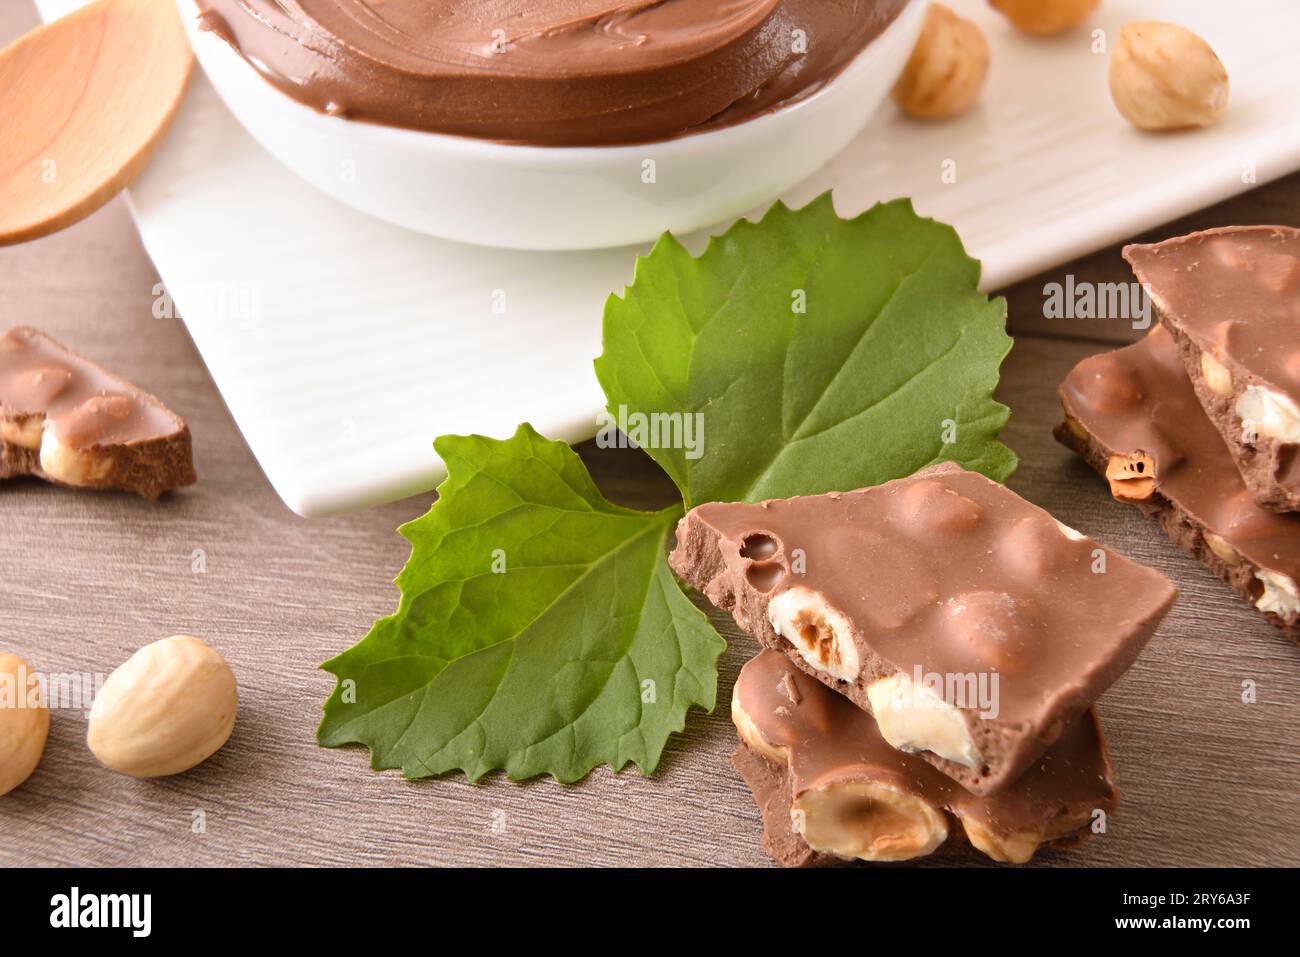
(549, 72)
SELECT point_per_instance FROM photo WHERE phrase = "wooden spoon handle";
(86, 101)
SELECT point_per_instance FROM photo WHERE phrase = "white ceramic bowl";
(553, 197)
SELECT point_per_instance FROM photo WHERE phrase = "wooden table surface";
(87, 578)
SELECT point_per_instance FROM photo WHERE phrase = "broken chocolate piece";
(1231, 299)
(69, 421)
(972, 624)
(1139, 399)
(830, 788)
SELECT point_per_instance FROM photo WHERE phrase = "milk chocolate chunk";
(972, 624)
(550, 72)
(1231, 299)
(830, 788)
(65, 419)
(1137, 404)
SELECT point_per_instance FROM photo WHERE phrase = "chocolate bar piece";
(68, 421)
(973, 625)
(1231, 298)
(830, 788)
(1133, 416)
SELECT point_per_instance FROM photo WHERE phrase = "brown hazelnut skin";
(1164, 77)
(1045, 17)
(946, 70)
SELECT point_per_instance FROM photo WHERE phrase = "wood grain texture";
(123, 70)
(85, 579)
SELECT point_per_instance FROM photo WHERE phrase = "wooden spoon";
(86, 101)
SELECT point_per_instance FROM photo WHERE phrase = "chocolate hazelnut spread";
(549, 72)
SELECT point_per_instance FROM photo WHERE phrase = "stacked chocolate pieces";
(935, 646)
(1199, 423)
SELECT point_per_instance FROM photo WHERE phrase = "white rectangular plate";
(343, 346)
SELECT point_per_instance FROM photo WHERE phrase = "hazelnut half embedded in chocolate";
(71, 466)
(1280, 595)
(24, 431)
(867, 820)
(1132, 477)
(1219, 545)
(1014, 848)
(748, 730)
(1270, 413)
(821, 635)
(913, 719)
(1216, 375)
(851, 817)
(1073, 534)
(1076, 428)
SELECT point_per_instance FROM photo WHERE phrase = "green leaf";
(895, 342)
(539, 629)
